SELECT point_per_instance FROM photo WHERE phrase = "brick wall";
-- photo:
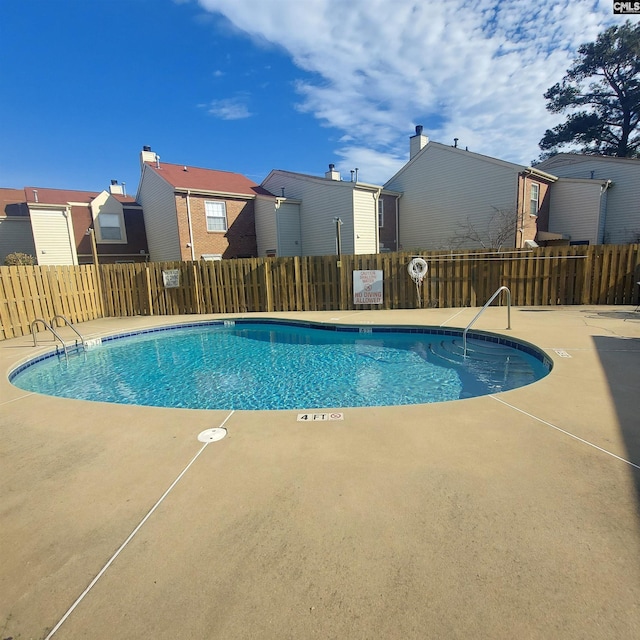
(239, 241)
(531, 224)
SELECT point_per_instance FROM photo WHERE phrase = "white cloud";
(228, 109)
(472, 70)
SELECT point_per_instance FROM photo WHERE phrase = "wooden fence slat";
(545, 276)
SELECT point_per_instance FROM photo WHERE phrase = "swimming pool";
(276, 364)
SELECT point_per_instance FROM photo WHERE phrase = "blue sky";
(254, 85)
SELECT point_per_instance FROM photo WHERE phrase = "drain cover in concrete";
(212, 435)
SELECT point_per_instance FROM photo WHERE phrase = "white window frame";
(121, 227)
(211, 216)
(380, 212)
(533, 211)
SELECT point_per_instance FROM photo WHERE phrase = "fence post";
(268, 284)
(149, 296)
(196, 287)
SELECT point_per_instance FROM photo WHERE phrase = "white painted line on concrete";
(26, 395)
(452, 317)
(346, 315)
(133, 533)
(567, 433)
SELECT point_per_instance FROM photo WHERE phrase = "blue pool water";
(283, 365)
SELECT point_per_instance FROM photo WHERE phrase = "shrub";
(19, 259)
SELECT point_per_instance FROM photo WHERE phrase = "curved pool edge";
(369, 327)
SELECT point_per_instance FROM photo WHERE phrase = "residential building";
(310, 215)
(193, 213)
(596, 199)
(54, 225)
(455, 197)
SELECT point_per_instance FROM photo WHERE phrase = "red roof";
(11, 197)
(64, 196)
(180, 176)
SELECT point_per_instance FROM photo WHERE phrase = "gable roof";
(322, 180)
(183, 177)
(65, 196)
(576, 158)
(12, 202)
(433, 146)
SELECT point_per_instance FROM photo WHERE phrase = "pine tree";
(605, 80)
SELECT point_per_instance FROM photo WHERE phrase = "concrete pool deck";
(507, 516)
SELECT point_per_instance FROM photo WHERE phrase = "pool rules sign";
(367, 287)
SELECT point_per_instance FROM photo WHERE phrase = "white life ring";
(417, 269)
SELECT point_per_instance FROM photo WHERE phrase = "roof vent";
(185, 168)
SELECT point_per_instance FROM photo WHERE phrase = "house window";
(216, 212)
(110, 226)
(380, 212)
(534, 202)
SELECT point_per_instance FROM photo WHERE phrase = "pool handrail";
(69, 324)
(491, 299)
(50, 328)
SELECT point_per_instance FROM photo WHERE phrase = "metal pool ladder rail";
(491, 299)
(49, 326)
(69, 324)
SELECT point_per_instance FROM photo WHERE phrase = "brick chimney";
(417, 142)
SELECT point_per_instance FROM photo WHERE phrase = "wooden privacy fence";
(27, 293)
(604, 274)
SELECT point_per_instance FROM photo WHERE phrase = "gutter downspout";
(398, 222)
(520, 210)
(376, 200)
(603, 190)
(193, 250)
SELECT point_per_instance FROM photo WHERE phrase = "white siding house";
(447, 189)
(320, 201)
(577, 208)
(158, 202)
(621, 219)
(53, 235)
(365, 224)
(278, 226)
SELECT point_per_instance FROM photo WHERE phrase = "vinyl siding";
(365, 216)
(266, 233)
(160, 217)
(289, 240)
(575, 210)
(15, 236)
(443, 187)
(53, 237)
(622, 222)
(321, 201)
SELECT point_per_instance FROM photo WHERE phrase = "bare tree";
(493, 233)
